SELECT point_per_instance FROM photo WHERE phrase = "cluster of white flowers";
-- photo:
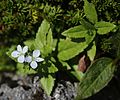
(21, 58)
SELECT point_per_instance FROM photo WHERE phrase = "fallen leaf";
(82, 64)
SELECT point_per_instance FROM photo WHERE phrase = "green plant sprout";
(57, 53)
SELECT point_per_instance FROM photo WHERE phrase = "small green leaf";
(92, 51)
(75, 32)
(47, 83)
(90, 12)
(97, 77)
(78, 74)
(104, 27)
(52, 68)
(24, 69)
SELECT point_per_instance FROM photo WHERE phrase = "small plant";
(20, 55)
(59, 53)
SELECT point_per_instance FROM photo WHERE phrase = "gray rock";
(15, 87)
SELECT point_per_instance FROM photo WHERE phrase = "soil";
(14, 87)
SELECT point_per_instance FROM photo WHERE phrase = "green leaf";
(44, 39)
(68, 49)
(90, 36)
(49, 38)
(42, 32)
(65, 65)
(47, 83)
(49, 42)
(76, 32)
(104, 27)
(52, 68)
(97, 77)
(92, 51)
(24, 69)
(54, 44)
(47, 67)
(90, 12)
(78, 74)
(87, 25)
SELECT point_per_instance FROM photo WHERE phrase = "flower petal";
(39, 59)
(21, 59)
(36, 53)
(25, 49)
(33, 64)
(19, 48)
(15, 54)
(28, 59)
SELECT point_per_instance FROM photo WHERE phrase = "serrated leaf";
(90, 12)
(68, 49)
(76, 32)
(47, 83)
(41, 34)
(44, 39)
(97, 77)
(92, 51)
(104, 27)
(24, 69)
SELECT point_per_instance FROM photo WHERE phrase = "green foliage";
(47, 83)
(90, 12)
(75, 32)
(44, 38)
(68, 49)
(24, 69)
(104, 27)
(92, 52)
(97, 76)
(73, 48)
(62, 30)
(78, 74)
(43, 42)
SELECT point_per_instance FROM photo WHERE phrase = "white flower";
(34, 59)
(20, 53)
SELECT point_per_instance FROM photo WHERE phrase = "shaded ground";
(13, 87)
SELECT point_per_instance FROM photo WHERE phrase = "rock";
(65, 90)
(20, 88)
